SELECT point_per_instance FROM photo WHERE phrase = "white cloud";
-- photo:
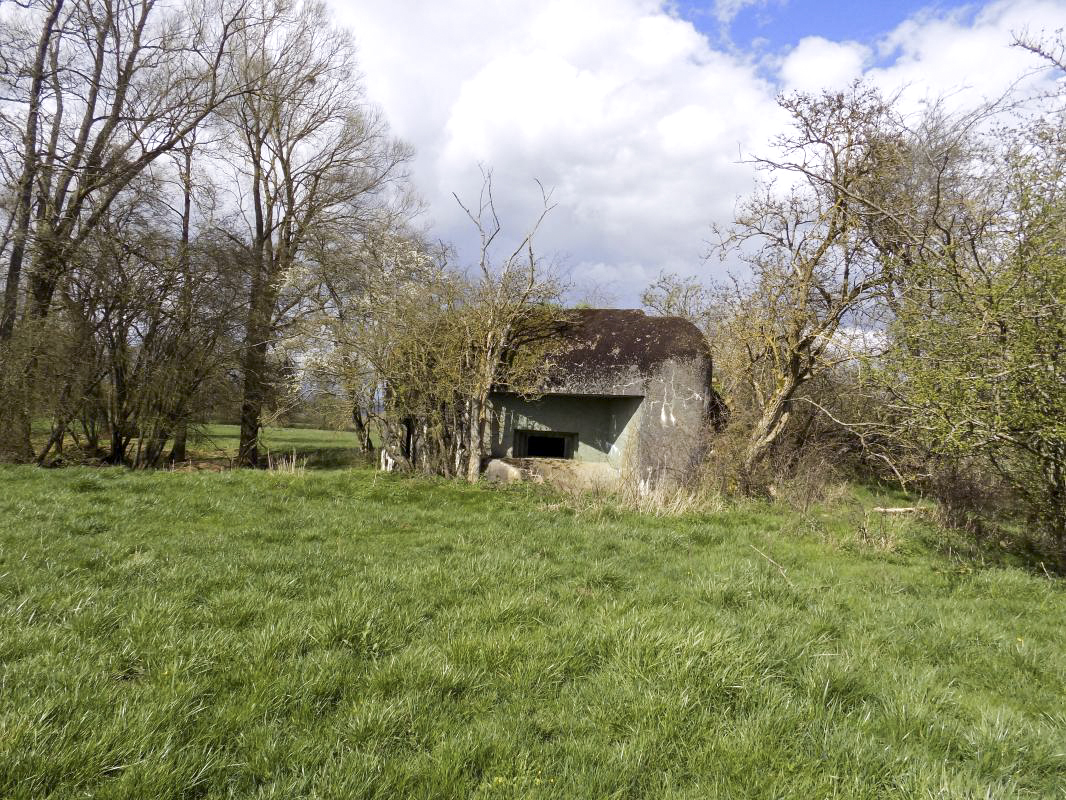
(725, 11)
(627, 111)
(965, 55)
(817, 63)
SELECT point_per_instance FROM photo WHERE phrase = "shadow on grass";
(1001, 543)
(335, 458)
(972, 539)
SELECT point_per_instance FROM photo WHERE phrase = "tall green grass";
(351, 634)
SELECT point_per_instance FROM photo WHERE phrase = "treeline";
(904, 314)
(202, 215)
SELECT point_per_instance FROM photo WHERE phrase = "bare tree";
(20, 214)
(1050, 48)
(808, 244)
(126, 81)
(423, 344)
(312, 158)
(108, 88)
(510, 295)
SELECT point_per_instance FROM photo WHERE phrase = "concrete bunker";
(628, 397)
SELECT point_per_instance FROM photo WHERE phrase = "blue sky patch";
(772, 25)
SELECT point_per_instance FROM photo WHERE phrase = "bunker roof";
(605, 345)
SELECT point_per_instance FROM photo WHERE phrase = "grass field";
(347, 634)
(314, 448)
(217, 443)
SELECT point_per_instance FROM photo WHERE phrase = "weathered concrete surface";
(604, 425)
(498, 470)
(634, 389)
(676, 421)
(562, 473)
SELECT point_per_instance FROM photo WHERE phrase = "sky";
(638, 114)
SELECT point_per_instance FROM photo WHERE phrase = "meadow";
(348, 634)
(313, 448)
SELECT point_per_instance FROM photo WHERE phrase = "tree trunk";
(44, 278)
(473, 443)
(769, 426)
(119, 443)
(15, 442)
(362, 429)
(18, 366)
(479, 407)
(181, 435)
(152, 455)
(90, 426)
(54, 441)
(181, 425)
(254, 366)
(252, 403)
(24, 196)
(254, 361)
(59, 427)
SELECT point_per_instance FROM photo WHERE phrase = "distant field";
(313, 447)
(347, 634)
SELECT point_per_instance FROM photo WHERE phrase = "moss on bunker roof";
(602, 339)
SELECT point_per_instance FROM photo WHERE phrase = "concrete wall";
(659, 437)
(605, 426)
(676, 424)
